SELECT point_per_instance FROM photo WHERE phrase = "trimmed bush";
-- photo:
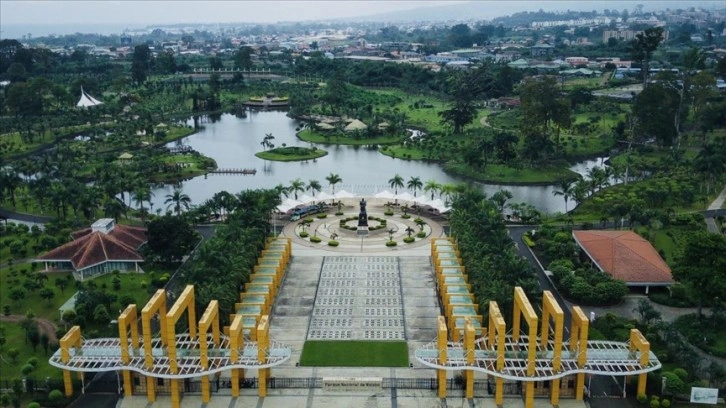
(339, 213)
(665, 403)
(322, 215)
(642, 398)
(409, 240)
(315, 239)
(333, 243)
(528, 241)
(406, 216)
(55, 395)
(388, 213)
(304, 234)
(391, 243)
(421, 234)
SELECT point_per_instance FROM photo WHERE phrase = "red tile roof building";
(97, 250)
(626, 256)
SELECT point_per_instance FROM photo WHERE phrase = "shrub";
(665, 403)
(55, 395)
(333, 243)
(421, 234)
(654, 403)
(528, 241)
(27, 369)
(674, 384)
(304, 234)
(315, 239)
(642, 398)
(33, 361)
(409, 240)
(338, 213)
(391, 243)
(681, 373)
(406, 216)
(34, 405)
(322, 215)
(388, 213)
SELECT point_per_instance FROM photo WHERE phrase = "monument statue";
(362, 216)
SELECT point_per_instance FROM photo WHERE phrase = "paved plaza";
(360, 290)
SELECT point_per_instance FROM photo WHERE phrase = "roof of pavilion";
(625, 255)
(90, 247)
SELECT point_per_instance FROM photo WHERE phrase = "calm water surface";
(232, 142)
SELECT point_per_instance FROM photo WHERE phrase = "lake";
(233, 142)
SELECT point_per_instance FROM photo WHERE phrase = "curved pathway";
(44, 325)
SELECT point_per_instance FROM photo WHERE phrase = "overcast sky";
(165, 12)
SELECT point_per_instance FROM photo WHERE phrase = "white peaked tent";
(288, 205)
(385, 194)
(322, 196)
(87, 100)
(306, 199)
(343, 194)
(405, 196)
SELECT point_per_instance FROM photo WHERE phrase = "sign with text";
(704, 395)
(352, 383)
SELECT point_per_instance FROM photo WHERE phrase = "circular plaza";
(391, 226)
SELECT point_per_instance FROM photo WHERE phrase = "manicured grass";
(291, 153)
(354, 354)
(15, 338)
(346, 139)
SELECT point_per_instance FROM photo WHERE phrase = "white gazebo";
(355, 125)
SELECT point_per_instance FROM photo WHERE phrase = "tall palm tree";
(564, 188)
(432, 186)
(314, 186)
(448, 190)
(297, 185)
(141, 194)
(284, 190)
(396, 182)
(114, 208)
(333, 179)
(414, 184)
(177, 200)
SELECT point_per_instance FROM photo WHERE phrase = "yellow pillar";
(578, 344)
(67, 383)
(150, 389)
(638, 342)
(175, 398)
(205, 389)
(128, 384)
(469, 335)
(442, 343)
(235, 344)
(529, 395)
(263, 344)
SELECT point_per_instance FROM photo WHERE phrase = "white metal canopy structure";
(104, 354)
(603, 358)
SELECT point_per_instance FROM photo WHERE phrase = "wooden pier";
(234, 171)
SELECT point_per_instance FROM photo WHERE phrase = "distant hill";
(487, 10)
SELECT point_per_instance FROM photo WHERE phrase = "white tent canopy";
(343, 194)
(385, 194)
(324, 196)
(307, 198)
(405, 196)
(439, 205)
(288, 205)
(87, 100)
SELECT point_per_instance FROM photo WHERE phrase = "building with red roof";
(626, 256)
(100, 249)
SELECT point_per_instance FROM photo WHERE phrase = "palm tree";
(448, 190)
(396, 182)
(114, 208)
(266, 141)
(333, 179)
(564, 188)
(314, 186)
(500, 198)
(142, 193)
(432, 186)
(281, 189)
(297, 185)
(414, 184)
(177, 200)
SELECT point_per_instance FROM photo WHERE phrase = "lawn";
(332, 138)
(291, 153)
(355, 354)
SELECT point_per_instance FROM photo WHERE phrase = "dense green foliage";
(291, 153)
(224, 263)
(488, 253)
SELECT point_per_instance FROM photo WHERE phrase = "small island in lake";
(270, 100)
(291, 153)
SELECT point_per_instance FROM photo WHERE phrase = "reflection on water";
(233, 141)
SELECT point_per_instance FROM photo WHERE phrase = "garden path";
(44, 325)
